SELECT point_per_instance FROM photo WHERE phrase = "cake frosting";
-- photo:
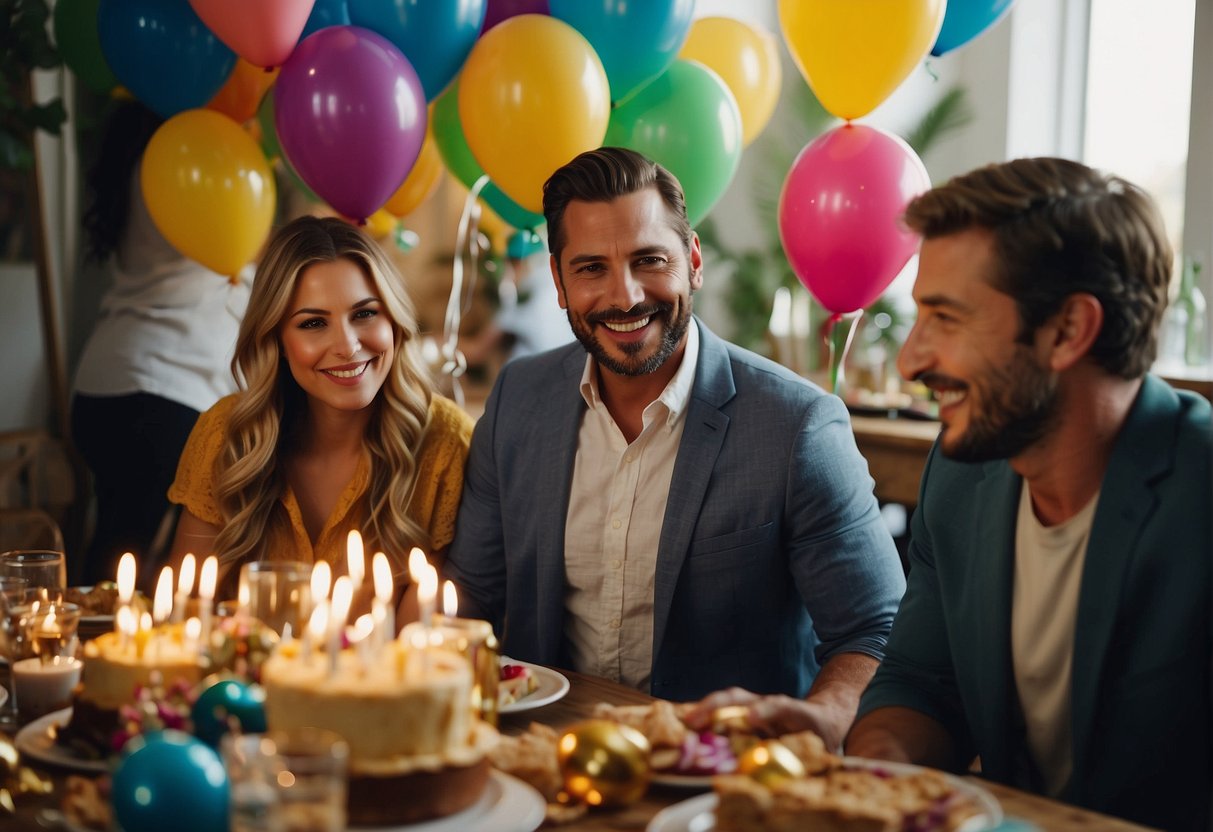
(113, 671)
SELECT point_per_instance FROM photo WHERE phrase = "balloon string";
(454, 362)
(930, 68)
(840, 345)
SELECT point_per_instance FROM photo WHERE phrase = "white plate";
(507, 805)
(37, 742)
(551, 687)
(698, 814)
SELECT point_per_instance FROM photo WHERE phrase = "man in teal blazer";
(1057, 624)
(763, 562)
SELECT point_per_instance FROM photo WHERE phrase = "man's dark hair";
(1061, 228)
(602, 175)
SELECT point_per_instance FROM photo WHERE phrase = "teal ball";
(223, 701)
(170, 780)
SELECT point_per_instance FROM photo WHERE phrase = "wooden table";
(588, 691)
(896, 451)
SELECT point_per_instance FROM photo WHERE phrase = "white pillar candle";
(206, 599)
(185, 586)
(42, 687)
(381, 608)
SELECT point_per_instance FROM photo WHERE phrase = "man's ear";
(696, 257)
(555, 266)
(1074, 329)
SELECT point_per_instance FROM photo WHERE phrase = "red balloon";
(840, 214)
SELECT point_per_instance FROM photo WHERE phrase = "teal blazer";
(772, 558)
(1142, 697)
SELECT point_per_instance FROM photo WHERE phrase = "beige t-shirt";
(1048, 576)
(613, 528)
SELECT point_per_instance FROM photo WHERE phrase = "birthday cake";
(416, 751)
(115, 670)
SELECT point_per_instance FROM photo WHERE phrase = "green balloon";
(75, 28)
(272, 149)
(458, 158)
(688, 122)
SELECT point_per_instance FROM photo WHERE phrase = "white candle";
(381, 608)
(162, 601)
(358, 636)
(418, 660)
(185, 586)
(427, 593)
(206, 599)
(193, 629)
(343, 595)
(126, 591)
(355, 558)
(450, 601)
(42, 687)
(317, 626)
(322, 578)
(127, 624)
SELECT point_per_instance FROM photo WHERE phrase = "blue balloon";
(223, 701)
(435, 35)
(522, 244)
(163, 53)
(635, 41)
(326, 13)
(169, 780)
(966, 19)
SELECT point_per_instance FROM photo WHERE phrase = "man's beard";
(675, 327)
(1015, 407)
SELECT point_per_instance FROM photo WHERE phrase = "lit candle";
(355, 558)
(45, 686)
(162, 601)
(127, 624)
(357, 635)
(427, 593)
(207, 578)
(142, 635)
(185, 586)
(242, 603)
(322, 579)
(317, 626)
(343, 595)
(381, 607)
(126, 591)
(450, 602)
(193, 630)
(419, 661)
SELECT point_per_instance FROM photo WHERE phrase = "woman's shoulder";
(446, 417)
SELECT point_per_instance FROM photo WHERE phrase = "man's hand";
(903, 735)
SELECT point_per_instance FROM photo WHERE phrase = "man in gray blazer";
(1058, 618)
(670, 511)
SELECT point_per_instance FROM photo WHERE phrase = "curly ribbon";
(839, 339)
(468, 235)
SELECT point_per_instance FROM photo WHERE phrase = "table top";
(588, 691)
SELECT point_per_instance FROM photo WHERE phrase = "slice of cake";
(517, 682)
(416, 749)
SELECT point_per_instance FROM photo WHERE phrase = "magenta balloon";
(350, 114)
(840, 214)
(499, 10)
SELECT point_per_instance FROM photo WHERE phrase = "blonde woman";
(336, 425)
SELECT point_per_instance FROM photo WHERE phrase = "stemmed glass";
(44, 569)
(15, 597)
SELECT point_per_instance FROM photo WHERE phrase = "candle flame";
(322, 579)
(343, 595)
(125, 619)
(361, 629)
(162, 602)
(319, 622)
(355, 557)
(450, 601)
(126, 578)
(381, 570)
(427, 587)
(49, 624)
(145, 621)
(193, 629)
(242, 596)
(209, 575)
(417, 638)
(417, 565)
(185, 578)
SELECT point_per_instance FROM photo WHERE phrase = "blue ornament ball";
(224, 700)
(170, 780)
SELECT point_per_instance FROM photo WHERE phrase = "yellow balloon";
(532, 95)
(422, 180)
(209, 189)
(854, 53)
(746, 57)
(382, 223)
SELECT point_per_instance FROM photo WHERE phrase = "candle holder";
(474, 640)
(51, 631)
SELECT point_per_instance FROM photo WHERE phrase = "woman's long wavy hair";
(266, 420)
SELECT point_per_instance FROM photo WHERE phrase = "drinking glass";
(15, 596)
(279, 593)
(45, 569)
(287, 780)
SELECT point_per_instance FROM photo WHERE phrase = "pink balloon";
(350, 114)
(263, 32)
(840, 210)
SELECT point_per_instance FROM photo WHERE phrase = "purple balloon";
(499, 10)
(350, 114)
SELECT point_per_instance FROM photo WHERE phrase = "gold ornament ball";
(604, 763)
(770, 762)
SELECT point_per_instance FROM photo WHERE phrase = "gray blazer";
(773, 556)
(1142, 717)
